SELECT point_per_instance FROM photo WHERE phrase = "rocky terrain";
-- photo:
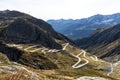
(90, 78)
(103, 42)
(32, 50)
(80, 28)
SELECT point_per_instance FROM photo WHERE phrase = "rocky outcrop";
(11, 52)
(17, 71)
(90, 78)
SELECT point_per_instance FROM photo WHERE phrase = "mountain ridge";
(104, 43)
(84, 26)
(17, 27)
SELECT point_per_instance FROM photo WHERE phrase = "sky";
(62, 9)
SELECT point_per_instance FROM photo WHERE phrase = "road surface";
(30, 47)
(79, 59)
(111, 71)
(95, 58)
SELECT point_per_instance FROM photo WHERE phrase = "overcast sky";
(58, 9)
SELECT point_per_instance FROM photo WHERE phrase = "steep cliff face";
(104, 42)
(18, 27)
(12, 53)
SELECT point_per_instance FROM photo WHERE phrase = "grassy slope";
(64, 61)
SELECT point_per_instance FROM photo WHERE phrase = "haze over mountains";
(79, 28)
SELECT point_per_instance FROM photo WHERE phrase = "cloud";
(48, 9)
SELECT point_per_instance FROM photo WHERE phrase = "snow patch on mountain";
(106, 21)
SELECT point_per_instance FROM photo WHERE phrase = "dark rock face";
(12, 53)
(18, 27)
(104, 42)
(21, 29)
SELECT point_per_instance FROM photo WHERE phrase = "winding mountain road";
(65, 46)
(90, 78)
(30, 47)
(76, 65)
(95, 58)
(84, 53)
(111, 65)
(14, 45)
(36, 50)
(79, 59)
(53, 50)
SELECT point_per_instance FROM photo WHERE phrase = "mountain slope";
(103, 42)
(40, 53)
(21, 28)
(79, 28)
(52, 65)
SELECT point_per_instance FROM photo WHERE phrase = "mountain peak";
(19, 27)
(75, 27)
(11, 13)
(5, 11)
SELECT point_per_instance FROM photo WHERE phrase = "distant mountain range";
(103, 42)
(79, 28)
